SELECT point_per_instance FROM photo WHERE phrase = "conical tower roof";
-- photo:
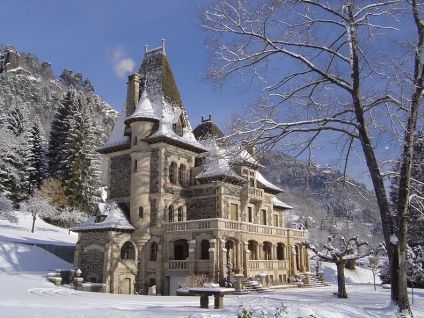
(143, 110)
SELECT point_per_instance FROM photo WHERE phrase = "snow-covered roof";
(216, 162)
(245, 156)
(280, 204)
(169, 115)
(117, 135)
(260, 178)
(144, 109)
(113, 219)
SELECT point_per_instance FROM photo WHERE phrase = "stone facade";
(185, 221)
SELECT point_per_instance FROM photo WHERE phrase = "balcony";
(255, 193)
(177, 265)
(262, 265)
(224, 224)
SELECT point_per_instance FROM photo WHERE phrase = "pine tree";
(58, 135)
(36, 160)
(81, 161)
(14, 168)
(16, 120)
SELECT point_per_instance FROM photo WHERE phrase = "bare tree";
(37, 206)
(330, 67)
(338, 251)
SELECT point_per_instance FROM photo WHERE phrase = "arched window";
(253, 248)
(173, 172)
(154, 252)
(182, 171)
(180, 214)
(204, 249)
(127, 251)
(180, 250)
(280, 251)
(170, 214)
(267, 247)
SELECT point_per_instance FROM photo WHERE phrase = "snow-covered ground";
(25, 292)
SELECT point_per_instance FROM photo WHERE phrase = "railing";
(268, 265)
(235, 226)
(255, 192)
(177, 265)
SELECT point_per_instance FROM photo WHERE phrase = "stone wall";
(154, 171)
(202, 208)
(120, 176)
(92, 265)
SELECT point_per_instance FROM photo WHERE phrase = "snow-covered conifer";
(37, 158)
(6, 209)
(58, 134)
(81, 160)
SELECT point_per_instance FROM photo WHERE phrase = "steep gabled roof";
(266, 184)
(117, 140)
(109, 216)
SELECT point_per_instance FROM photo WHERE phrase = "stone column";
(191, 256)
(238, 265)
(212, 260)
(246, 258)
(222, 260)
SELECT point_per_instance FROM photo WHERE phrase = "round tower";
(141, 124)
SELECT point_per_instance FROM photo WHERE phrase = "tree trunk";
(341, 286)
(397, 258)
(33, 223)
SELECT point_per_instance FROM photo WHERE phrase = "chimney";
(133, 93)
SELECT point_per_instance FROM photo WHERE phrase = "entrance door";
(126, 286)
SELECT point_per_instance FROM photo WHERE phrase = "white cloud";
(122, 64)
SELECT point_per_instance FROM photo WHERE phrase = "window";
(275, 221)
(204, 247)
(154, 252)
(267, 250)
(182, 175)
(173, 173)
(140, 212)
(263, 212)
(280, 251)
(233, 212)
(252, 182)
(180, 250)
(135, 140)
(250, 214)
(127, 251)
(170, 214)
(180, 214)
(135, 165)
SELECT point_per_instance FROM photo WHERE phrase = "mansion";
(178, 204)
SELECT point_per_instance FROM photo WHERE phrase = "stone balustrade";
(268, 264)
(223, 224)
(177, 265)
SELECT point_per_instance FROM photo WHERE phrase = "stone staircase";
(315, 282)
(253, 286)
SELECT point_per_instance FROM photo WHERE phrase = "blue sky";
(101, 39)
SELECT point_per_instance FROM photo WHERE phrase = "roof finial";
(145, 48)
(163, 46)
(210, 117)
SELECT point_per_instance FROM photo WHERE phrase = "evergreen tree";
(81, 161)
(14, 167)
(58, 135)
(16, 120)
(36, 160)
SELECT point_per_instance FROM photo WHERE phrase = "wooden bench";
(205, 292)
